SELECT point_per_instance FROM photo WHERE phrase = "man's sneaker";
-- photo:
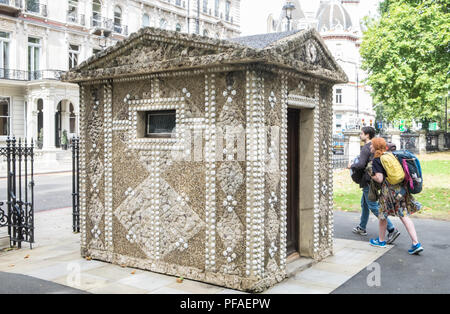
(415, 249)
(359, 230)
(376, 242)
(392, 236)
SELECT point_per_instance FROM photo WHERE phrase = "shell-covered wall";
(189, 205)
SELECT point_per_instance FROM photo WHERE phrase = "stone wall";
(188, 205)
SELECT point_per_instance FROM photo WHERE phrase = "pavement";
(402, 273)
(54, 265)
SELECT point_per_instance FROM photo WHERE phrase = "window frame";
(147, 114)
(8, 117)
(73, 56)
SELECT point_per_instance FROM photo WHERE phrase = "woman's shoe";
(377, 243)
(415, 249)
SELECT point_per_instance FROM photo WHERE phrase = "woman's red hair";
(379, 145)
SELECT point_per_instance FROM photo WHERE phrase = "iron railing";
(109, 25)
(340, 152)
(73, 17)
(19, 215)
(432, 142)
(409, 141)
(75, 144)
(12, 3)
(19, 75)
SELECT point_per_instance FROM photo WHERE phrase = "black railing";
(109, 25)
(19, 215)
(35, 7)
(19, 75)
(432, 142)
(409, 142)
(340, 152)
(12, 3)
(75, 144)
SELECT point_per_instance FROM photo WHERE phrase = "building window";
(96, 13)
(4, 116)
(118, 20)
(160, 123)
(339, 96)
(72, 14)
(227, 10)
(74, 51)
(32, 6)
(72, 119)
(4, 54)
(339, 117)
(162, 24)
(34, 51)
(178, 27)
(216, 8)
(178, 2)
(205, 33)
(145, 20)
(205, 6)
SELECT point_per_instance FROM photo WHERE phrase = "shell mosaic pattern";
(190, 205)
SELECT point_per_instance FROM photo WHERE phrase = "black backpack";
(356, 174)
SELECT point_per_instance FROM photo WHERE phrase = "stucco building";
(339, 22)
(208, 159)
(41, 39)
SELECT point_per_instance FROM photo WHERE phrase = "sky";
(254, 13)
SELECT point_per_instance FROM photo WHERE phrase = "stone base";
(228, 281)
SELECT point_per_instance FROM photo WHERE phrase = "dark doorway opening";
(293, 176)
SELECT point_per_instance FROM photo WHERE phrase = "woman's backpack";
(394, 169)
(413, 171)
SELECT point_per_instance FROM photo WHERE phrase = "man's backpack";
(412, 169)
(394, 169)
(356, 174)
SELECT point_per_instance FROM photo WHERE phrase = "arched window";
(162, 24)
(145, 20)
(117, 19)
(178, 27)
(96, 13)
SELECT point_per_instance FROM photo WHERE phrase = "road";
(51, 191)
(401, 272)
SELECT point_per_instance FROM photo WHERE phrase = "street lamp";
(288, 8)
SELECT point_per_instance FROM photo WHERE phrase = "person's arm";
(378, 177)
(363, 159)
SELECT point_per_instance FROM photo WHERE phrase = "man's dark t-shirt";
(364, 159)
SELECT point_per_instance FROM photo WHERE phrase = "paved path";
(401, 272)
(56, 259)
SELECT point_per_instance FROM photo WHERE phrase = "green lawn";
(435, 195)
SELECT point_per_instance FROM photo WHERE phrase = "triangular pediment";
(150, 45)
(308, 48)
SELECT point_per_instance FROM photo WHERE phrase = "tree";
(407, 56)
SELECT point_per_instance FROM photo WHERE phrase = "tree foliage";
(406, 53)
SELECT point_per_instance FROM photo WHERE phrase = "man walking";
(367, 134)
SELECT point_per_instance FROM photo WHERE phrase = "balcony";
(74, 18)
(10, 7)
(104, 27)
(34, 7)
(19, 75)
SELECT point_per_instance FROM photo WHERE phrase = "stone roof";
(152, 50)
(263, 40)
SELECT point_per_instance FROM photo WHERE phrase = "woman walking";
(395, 200)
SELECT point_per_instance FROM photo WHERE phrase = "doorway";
(58, 126)
(293, 176)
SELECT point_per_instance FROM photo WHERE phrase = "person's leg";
(382, 231)
(364, 209)
(374, 207)
(409, 225)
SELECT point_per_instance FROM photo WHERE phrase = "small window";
(178, 28)
(339, 96)
(160, 123)
(145, 20)
(4, 116)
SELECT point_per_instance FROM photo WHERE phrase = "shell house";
(205, 158)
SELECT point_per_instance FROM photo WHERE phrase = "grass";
(435, 196)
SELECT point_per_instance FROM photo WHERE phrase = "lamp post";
(288, 8)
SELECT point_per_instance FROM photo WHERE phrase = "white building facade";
(41, 39)
(339, 23)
